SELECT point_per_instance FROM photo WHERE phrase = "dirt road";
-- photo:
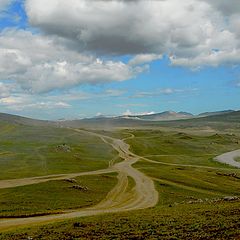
(182, 165)
(34, 180)
(229, 158)
(120, 198)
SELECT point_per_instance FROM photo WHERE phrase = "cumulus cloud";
(40, 63)
(4, 4)
(188, 31)
(226, 7)
(75, 36)
(13, 98)
(21, 101)
(130, 113)
(4, 90)
(144, 58)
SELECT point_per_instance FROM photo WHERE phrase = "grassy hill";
(14, 119)
(222, 121)
(178, 156)
(223, 118)
(27, 151)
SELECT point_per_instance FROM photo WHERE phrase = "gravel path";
(229, 158)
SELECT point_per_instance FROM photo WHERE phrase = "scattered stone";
(77, 225)
(63, 148)
(195, 201)
(180, 168)
(218, 135)
(71, 180)
(215, 200)
(231, 198)
(234, 175)
(82, 188)
(186, 137)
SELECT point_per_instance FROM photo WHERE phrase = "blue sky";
(51, 71)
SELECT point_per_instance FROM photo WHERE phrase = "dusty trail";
(229, 158)
(187, 165)
(35, 180)
(120, 198)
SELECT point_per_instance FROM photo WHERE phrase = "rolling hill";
(163, 116)
(225, 119)
(15, 119)
(170, 119)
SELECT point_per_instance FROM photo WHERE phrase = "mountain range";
(127, 119)
(170, 115)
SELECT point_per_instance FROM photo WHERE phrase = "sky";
(84, 58)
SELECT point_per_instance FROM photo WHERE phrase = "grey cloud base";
(40, 64)
(188, 31)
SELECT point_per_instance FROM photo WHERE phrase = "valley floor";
(144, 184)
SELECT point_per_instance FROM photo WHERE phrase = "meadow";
(55, 197)
(199, 198)
(29, 151)
(185, 221)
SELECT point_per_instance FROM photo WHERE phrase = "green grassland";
(190, 183)
(55, 196)
(195, 175)
(114, 133)
(182, 148)
(27, 151)
(187, 221)
(183, 184)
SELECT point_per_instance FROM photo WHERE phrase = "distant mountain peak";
(206, 114)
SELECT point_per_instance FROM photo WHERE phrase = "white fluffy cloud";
(74, 36)
(192, 32)
(144, 58)
(22, 102)
(130, 113)
(41, 63)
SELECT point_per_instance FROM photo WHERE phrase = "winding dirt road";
(229, 158)
(120, 198)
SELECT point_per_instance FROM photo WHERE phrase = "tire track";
(120, 198)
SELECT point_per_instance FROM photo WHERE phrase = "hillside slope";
(14, 119)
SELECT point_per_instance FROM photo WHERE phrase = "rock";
(71, 180)
(82, 188)
(231, 198)
(63, 148)
(195, 201)
(234, 175)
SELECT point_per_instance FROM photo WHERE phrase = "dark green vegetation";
(55, 196)
(27, 151)
(187, 221)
